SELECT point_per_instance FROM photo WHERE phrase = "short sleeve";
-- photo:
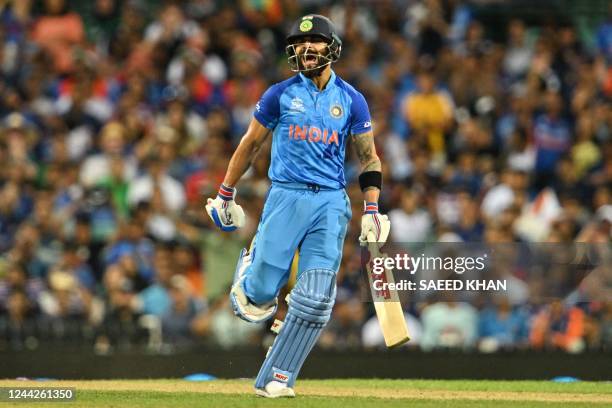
(267, 110)
(360, 115)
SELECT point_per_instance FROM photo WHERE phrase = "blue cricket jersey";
(311, 128)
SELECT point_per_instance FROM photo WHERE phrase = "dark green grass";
(580, 387)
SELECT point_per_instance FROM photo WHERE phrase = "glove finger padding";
(377, 224)
(227, 215)
(385, 228)
(237, 214)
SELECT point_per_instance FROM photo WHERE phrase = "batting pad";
(310, 306)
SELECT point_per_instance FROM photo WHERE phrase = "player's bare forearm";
(368, 161)
(240, 162)
(245, 152)
(371, 195)
(366, 152)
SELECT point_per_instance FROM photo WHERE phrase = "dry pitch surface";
(328, 393)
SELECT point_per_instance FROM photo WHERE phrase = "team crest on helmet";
(305, 26)
(336, 111)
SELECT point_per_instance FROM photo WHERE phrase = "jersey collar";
(310, 85)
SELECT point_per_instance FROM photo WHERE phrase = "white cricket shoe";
(275, 389)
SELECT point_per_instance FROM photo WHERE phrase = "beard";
(314, 72)
(311, 73)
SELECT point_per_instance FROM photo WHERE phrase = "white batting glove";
(223, 210)
(374, 225)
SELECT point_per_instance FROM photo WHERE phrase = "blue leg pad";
(310, 306)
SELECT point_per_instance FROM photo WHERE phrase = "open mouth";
(309, 58)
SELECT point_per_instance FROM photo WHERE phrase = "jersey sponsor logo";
(367, 124)
(297, 105)
(313, 134)
(336, 111)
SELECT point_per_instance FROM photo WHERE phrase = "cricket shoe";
(242, 306)
(275, 389)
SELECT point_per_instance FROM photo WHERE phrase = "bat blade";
(392, 323)
(386, 302)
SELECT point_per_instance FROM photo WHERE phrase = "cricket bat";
(386, 302)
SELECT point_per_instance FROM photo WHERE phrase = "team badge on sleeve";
(336, 111)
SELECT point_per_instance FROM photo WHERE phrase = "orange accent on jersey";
(313, 134)
(314, 130)
(301, 132)
(333, 138)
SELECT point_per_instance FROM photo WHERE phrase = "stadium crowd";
(118, 119)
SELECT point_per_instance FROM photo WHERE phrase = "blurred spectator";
(449, 325)
(552, 138)
(503, 195)
(186, 263)
(466, 175)
(18, 327)
(99, 167)
(155, 298)
(429, 113)
(411, 223)
(101, 22)
(73, 262)
(502, 327)
(66, 307)
(344, 330)
(178, 320)
(58, 32)
(165, 193)
(604, 36)
(558, 326)
(15, 278)
(124, 254)
(119, 328)
(470, 228)
(585, 153)
(606, 327)
(90, 249)
(519, 52)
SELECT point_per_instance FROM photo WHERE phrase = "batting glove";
(223, 210)
(374, 224)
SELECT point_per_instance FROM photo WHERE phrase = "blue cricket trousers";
(296, 216)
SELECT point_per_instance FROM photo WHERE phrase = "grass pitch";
(328, 393)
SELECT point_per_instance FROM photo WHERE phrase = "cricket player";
(311, 117)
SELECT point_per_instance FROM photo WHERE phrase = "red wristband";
(370, 208)
(226, 193)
